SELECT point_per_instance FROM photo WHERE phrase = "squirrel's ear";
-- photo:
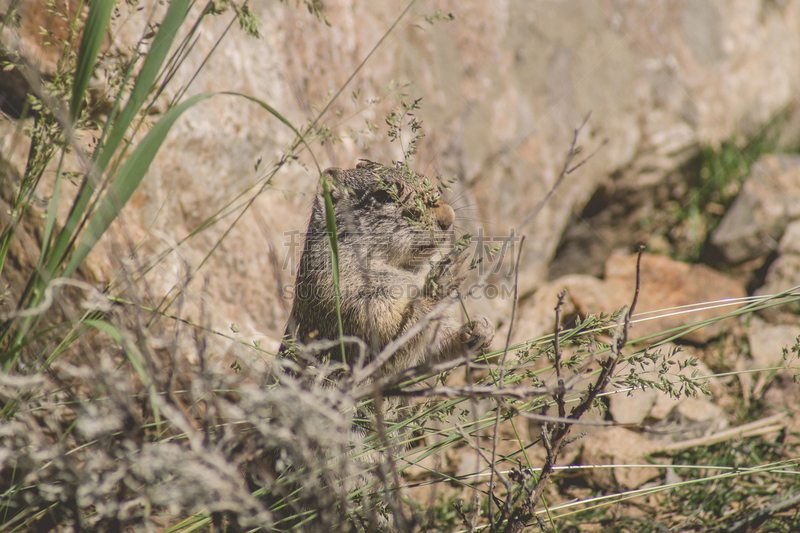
(334, 177)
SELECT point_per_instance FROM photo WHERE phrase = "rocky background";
(503, 85)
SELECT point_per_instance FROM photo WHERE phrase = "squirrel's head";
(388, 211)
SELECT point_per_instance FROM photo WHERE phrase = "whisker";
(485, 224)
(473, 188)
(457, 197)
(432, 161)
(474, 219)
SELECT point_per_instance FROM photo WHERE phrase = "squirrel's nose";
(444, 215)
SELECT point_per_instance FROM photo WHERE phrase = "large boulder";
(768, 201)
(783, 278)
(675, 298)
(503, 86)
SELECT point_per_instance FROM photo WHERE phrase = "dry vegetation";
(116, 417)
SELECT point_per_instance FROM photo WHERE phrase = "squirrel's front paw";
(446, 275)
(478, 336)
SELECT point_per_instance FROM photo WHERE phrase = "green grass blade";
(52, 212)
(136, 359)
(93, 34)
(330, 222)
(134, 355)
(271, 110)
(194, 523)
(176, 14)
(5, 243)
(126, 182)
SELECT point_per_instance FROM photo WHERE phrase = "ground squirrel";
(389, 223)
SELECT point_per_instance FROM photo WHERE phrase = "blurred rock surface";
(503, 86)
(767, 203)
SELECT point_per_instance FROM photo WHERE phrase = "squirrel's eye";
(383, 196)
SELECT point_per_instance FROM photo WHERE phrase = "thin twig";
(559, 396)
(500, 382)
(478, 449)
(555, 436)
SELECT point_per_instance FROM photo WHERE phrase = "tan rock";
(666, 285)
(790, 242)
(656, 404)
(701, 410)
(619, 446)
(536, 315)
(768, 201)
(632, 407)
(782, 276)
(767, 342)
(691, 418)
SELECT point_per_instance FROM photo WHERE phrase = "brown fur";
(389, 223)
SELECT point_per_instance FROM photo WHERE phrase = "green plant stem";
(330, 221)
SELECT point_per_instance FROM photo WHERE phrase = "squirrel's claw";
(479, 335)
(446, 275)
